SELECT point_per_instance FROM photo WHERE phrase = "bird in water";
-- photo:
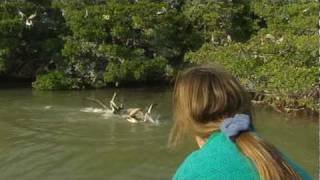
(148, 117)
(132, 115)
(136, 115)
(113, 106)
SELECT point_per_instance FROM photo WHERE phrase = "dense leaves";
(124, 41)
(280, 58)
(30, 37)
(53, 81)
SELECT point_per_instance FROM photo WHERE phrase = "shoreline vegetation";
(271, 46)
(275, 102)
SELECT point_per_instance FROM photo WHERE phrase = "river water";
(62, 136)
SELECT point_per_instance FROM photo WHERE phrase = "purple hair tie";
(233, 126)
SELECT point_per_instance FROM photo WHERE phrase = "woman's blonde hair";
(203, 97)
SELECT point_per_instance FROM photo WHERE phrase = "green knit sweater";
(220, 159)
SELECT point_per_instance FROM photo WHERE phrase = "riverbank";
(306, 104)
(14, 82)
(281, 104)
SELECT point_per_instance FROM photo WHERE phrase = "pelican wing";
(32, 16)
(150, 108)
(29, 23)
(132, 120)
(98, 102)
(21, 14)
(147, 117)
(134, 111)
(114, 96)
(114, 105)
(86, 15)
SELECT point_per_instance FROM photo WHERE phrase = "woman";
(212, 106)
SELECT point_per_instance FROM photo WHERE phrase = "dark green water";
(46, 135)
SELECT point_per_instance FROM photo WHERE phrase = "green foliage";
(140, 34)
(3, 55)
(285, 78)
(219, 21)
(298, 17)
(53, 81)
(280, 58)
(285, 64)
(136, 71)
(26, 50)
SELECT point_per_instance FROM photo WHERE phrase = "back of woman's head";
(203, 97)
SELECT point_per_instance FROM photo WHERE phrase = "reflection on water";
(60, 135)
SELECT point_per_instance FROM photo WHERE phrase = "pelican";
(280, 40)
(121, 60)
(135, 115)
(29, 23)
(162, 11)
(106, 17)
(148, 117)
(229, 38)
(21, 14)
(270, 36)
(306, 10)
(132, 115)
(113, 106)
(63, 12)
(212, 38)
(87, 14)
(29, 19)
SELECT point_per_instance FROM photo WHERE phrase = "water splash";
(93, 110)
(107, 114)
(47, 107)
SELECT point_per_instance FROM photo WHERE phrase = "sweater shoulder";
(218, 159)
